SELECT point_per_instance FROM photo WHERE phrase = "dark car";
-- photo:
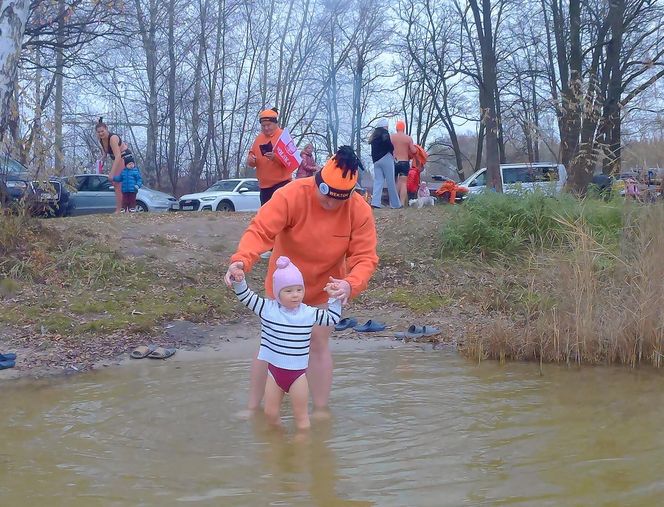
(50, 198)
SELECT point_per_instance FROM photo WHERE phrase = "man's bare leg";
(319, 372)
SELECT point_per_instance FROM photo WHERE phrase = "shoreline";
(229, 340)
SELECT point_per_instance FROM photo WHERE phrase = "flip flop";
(419, 331)
(142, 351)
(9, 356)
(9, 363)
(345, 324)
(161, 353)
(371, 326)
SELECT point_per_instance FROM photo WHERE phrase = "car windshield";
(10, 166)
(223, 186)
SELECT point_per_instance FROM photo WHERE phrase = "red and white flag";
(287, 152)
(100, 166)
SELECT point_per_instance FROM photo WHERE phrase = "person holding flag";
(271, 171)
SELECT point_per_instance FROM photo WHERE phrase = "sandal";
(345, 324)
(371, 326)
(142, 351)
(161, 353)
(9, 363)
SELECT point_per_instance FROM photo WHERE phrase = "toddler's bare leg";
(299, 395)
(273, 398)
(257, 378)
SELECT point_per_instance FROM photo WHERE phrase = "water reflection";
(412, 427)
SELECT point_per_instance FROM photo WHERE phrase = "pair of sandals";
(371, 326)
(152, 352)
(414, 332)
(7, 360)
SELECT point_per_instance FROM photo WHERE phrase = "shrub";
(492, 224)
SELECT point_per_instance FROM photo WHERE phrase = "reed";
(607, 292)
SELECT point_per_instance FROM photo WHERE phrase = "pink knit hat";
(285, 275)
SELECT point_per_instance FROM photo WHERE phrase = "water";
(410, 428)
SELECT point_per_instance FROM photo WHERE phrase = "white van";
(548, 177)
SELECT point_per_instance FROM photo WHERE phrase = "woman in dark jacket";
(383, 159)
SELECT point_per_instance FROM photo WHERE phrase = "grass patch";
(499, 225)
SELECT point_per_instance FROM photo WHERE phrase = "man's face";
(330, 203)
(268, 127)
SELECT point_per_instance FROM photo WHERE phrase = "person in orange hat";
(324, 227)
(271, 173)
(404, 149)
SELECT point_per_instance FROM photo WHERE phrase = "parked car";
(94, 193)
(50, 198)
(12, 169)
(548, 177)
(242, 194)
(40, 198)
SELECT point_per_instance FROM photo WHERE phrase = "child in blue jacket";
(131, 180)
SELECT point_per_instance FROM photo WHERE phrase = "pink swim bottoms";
(284, 378)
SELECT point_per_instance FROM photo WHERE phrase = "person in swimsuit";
(286, 325)
(404, 149)
(112, 146)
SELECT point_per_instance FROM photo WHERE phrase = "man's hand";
(251, 159)
(338, 289)
(235, 273)
(269, 155)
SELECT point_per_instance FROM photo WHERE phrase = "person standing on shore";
(112, 146)
(404, 149)
(325, 228)
(270, 172)
(382, 156)
(308, 165)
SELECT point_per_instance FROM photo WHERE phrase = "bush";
(492, 224)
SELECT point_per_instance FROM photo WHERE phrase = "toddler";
(131, 180)
(286, 325)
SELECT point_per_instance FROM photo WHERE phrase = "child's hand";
(338, 289)
(235, 273)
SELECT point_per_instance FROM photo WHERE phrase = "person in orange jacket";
(328, 231)
(270, 172)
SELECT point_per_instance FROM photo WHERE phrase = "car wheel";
(141, 207)
(225, 206)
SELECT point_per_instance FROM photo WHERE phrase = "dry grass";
(607, 302)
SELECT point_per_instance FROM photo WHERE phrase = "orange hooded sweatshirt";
(321, 243)
(269, 172)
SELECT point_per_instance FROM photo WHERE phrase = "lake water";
(409, 428)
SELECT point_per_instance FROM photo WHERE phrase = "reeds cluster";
(600, 267)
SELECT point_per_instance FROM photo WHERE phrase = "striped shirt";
(286, 334)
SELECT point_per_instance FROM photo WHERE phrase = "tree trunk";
(172, 166)
(612, 114)
(488, 86)
(196, 163)
(59, 90)
(12, 25)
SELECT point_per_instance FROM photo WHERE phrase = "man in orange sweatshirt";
(271, 173)
(404, 149)
(328, 231)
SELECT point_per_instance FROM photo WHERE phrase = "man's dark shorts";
(401, 168)
(267, 193)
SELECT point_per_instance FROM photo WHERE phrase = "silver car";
(95, 194)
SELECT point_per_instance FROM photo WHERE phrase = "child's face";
(130, 165)
(291, 297)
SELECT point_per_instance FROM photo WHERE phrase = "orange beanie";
(401, 126)
(269, 114)
(338, 176)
